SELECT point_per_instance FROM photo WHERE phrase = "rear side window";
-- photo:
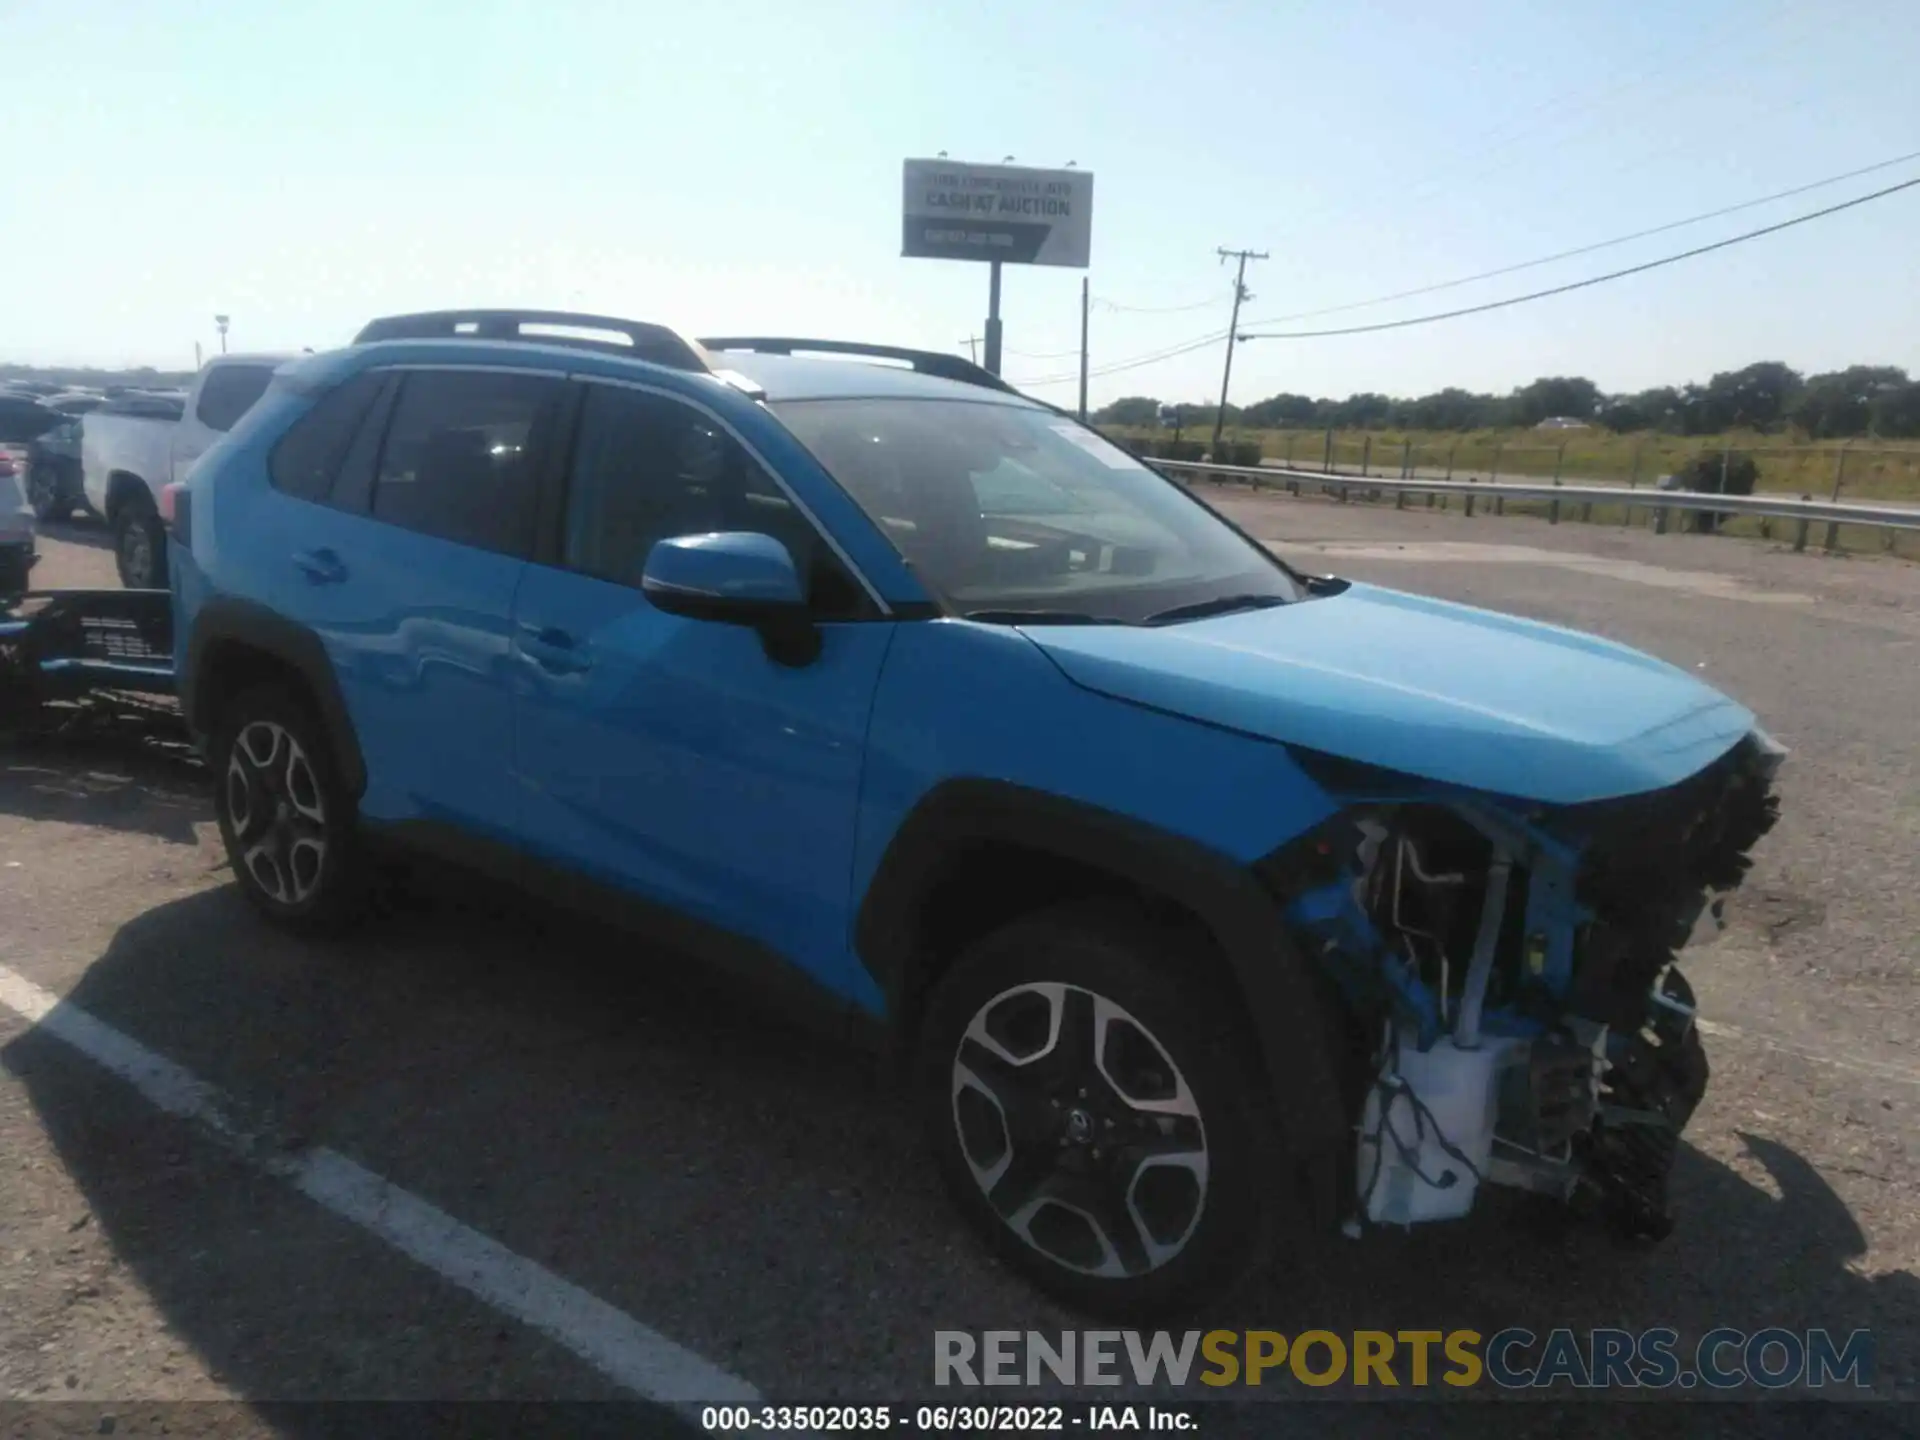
(229, 392)
(462, 457)
(310, 454)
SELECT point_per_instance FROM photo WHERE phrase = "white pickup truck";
(133, 447)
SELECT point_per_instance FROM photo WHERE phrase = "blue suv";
(1196, 902)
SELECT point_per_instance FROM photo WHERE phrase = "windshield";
(1022, 513)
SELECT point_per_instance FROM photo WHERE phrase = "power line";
(1747, 28)
(1050, 354)
(1591, 280)
(1198, 342)
(1118, 308)
(1589, 249)
(1135, 363)
(1532, 126)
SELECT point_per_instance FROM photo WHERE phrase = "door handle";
(323, 567)
(553, 649)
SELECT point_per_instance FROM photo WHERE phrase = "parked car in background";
(52, 478)
(24, 418)
(139, 442)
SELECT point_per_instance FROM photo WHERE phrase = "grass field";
(1874, 469)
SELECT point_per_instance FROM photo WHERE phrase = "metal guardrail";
(1805, 510)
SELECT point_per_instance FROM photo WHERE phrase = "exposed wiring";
(1590, 280)
(1390, 1088)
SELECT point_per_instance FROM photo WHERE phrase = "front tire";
(1098, 1113)
(286, 818)
(140, 545)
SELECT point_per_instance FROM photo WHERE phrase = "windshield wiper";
(1038, 617)
(1223, 605)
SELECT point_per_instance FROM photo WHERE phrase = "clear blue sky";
(736, 166)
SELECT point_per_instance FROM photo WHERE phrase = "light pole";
(220, 323)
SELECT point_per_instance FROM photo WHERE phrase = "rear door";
(404, 557)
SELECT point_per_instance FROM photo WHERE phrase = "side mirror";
(729, 575)
(737, 577)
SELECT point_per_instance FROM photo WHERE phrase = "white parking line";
(613, 1342)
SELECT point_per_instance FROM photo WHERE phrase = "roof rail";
(635, 339)
(927, 362)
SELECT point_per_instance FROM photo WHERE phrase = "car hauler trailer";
(89, 659)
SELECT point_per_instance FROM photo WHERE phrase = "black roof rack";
(927, 362)
(633, 338)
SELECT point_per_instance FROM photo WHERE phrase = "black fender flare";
(226, 621)
(1284, 1005)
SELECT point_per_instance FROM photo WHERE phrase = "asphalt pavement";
(486, 1151)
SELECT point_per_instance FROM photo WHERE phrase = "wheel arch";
(938, 848)
(121, 486)
(236, 643)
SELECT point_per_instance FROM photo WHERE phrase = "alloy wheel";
(1080, 1130)
(276, 812)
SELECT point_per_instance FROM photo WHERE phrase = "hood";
(1453, 694)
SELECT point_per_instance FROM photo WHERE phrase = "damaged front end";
(1511, 968)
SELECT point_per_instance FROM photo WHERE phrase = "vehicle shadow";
(756, 1193)
(138, 795)
(137, 792)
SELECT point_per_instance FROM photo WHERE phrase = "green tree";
(1756, 397)
(1367, 410)
(1896, 411)
(1281, 412)
(1555, 396)
(1839, 404)
(1132, 410)
(1450, 409)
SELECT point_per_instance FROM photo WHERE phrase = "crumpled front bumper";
(1570, 975)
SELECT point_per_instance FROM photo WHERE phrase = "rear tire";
(47, 494)
(1099, 1114)
(140, 544)
(286, 818)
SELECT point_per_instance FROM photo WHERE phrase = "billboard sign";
(1011, 213)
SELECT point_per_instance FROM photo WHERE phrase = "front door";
(671, 757)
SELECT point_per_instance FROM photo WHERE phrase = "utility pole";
(1085, 303)
(972, 342)
(1240, 294)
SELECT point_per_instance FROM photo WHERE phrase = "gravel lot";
(760, 1199)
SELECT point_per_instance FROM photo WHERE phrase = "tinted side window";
(461, 459)
(229, 393)
(646, 468)
(308, 456)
